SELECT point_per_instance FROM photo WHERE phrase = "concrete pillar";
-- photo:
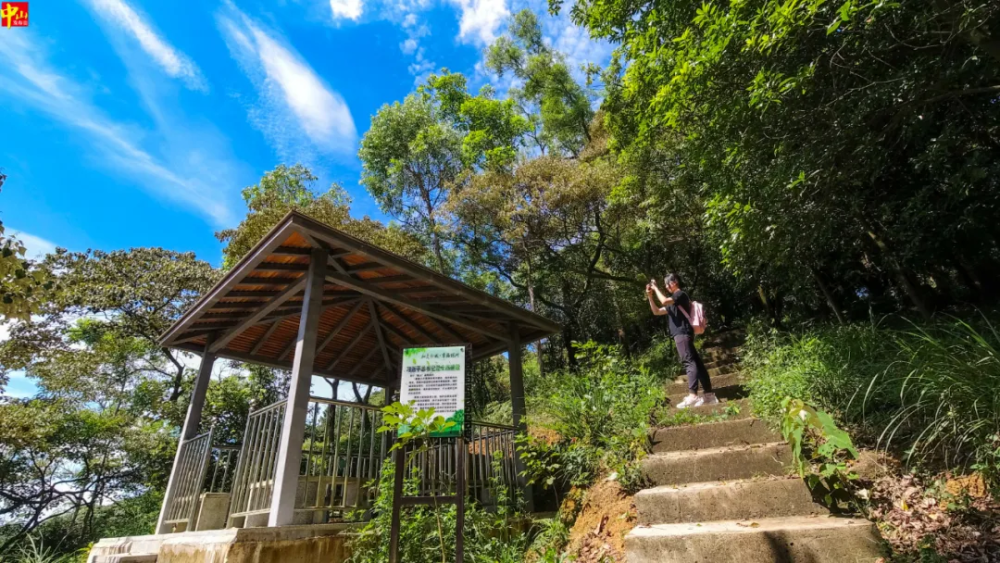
(286, 476)
(517, 405)
(192, 421)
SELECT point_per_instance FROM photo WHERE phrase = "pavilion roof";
(374, 304)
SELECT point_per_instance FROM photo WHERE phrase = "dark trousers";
(692, 363)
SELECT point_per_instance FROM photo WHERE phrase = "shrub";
(608, 397)
(489, 537)
(931, 390)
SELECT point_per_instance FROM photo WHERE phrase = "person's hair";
(671, 278)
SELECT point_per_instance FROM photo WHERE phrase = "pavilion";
(318, 302)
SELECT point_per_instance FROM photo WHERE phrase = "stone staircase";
(723, 491)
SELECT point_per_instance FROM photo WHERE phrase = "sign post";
(433, 378)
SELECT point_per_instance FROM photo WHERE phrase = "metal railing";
(489, 464)
(188, 478)
(491, 461)
(221, 473)
(342, 457)
(253, 484)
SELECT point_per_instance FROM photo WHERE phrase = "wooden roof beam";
(267, 334)
(362, 362)
(404, 266)
(340, 326)
(394, 297)
(378, 334)
(412, 324)
(350, 346)
(259, 315)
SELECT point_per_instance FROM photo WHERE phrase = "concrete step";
(125, 558)
(726, 500)
(794, 539)
(722, 407)
(722, 392)
(720, 354)
(718, 464)
(712, 435)
(718, 381)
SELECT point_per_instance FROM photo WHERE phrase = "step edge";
(713, 451)
(711, 485)
(812, 522)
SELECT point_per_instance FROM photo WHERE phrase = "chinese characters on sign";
(435, 378)
(13, 14)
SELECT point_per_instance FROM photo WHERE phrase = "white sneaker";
(709, 399)
(690, 401)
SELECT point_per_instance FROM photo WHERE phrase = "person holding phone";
(677, 308)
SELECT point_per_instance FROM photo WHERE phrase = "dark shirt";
(679, 324)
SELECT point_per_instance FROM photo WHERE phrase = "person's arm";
(664, 300)
(657, 310)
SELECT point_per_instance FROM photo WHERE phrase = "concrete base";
(734, 500)
(774, 540)
(212, 512)
(714, 435)
(286, 544)
(718, 464)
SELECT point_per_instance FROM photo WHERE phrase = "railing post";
(518, 408)
(286, 476)
(190, 429)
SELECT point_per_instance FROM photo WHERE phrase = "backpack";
(696, 317)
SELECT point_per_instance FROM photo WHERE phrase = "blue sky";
(126, 123)
(129, 123)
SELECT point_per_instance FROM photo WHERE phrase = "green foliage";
(410, 425)
(287, 189)
(835, 155)
(21, 282)
(820, 451)
(928, 390)
(489, 536)
(606, 403)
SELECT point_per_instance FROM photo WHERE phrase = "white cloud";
(35, 247)
(27, 78)
(289, 89)
(346, 9)
(481, 19)
(173, 62)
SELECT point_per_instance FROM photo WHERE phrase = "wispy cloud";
(345, 9)
(28, 78)
(172, 61)
(290, 90)
(480, 19)
(35, 247)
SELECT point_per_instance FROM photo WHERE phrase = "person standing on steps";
(677, 308)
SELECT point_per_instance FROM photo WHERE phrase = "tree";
(287, 189)
(564, 108)
(840, 149)
(20, 281)
(410, 157)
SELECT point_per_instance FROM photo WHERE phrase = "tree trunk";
(769, 306)
(531, 300)
(568, 344)
(827, 294)
(902, 276)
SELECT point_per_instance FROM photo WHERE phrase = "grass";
(929, 391)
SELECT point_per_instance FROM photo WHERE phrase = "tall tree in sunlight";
(287, 189)
(559, 107)
(410, 158)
